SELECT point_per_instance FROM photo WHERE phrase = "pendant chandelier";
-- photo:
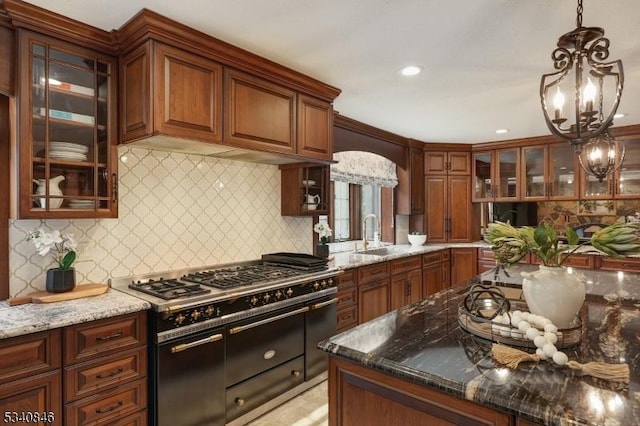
(594, 88)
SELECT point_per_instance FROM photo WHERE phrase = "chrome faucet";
(365, 243)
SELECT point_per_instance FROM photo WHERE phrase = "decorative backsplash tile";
(176, 211)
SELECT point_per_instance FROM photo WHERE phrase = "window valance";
(364, 168)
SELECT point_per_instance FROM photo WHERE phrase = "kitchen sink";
(382, 251)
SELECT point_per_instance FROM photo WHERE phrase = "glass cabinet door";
(563, 163)
(507, 174)
(535, 185)
(627, 184)
(69, 138)
(483, 179)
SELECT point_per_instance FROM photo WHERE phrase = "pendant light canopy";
(580, 98)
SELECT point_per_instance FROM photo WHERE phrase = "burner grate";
(241, 275)
(169, 289)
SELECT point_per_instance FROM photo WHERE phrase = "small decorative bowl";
(417, 240)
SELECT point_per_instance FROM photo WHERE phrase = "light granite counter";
(353, 259)
(423, 343)
(34, 317)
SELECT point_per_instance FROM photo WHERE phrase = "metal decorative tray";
(481, 324)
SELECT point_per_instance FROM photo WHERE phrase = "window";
(351, 203)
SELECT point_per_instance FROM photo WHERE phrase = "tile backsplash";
(176, 211)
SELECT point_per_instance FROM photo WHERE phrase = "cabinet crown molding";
(149, 25)
(28, 16)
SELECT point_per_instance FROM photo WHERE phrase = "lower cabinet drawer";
(251, 393)
(84, 379)
(625, 265)
(137, 419)
(105, 407)
(347, 298)
(347, 318)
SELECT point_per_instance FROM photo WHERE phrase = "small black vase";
(322, 250)
(60, 280)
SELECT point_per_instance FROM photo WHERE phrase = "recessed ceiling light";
(620, 115)
(502, 131)
(411, 70)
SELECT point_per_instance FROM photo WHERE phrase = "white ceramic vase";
(554, 293)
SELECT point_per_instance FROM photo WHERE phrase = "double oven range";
(232, 341)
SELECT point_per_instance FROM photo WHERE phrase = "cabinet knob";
(239, 402)
(295, 373)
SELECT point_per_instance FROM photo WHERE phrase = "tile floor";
(307, 409)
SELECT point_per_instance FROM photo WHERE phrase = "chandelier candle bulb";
(558, 103)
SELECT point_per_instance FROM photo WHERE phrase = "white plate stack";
(68, 151)
(81, 204)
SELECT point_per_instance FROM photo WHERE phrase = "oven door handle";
(241, 328)
(185, 346)
(323, 304)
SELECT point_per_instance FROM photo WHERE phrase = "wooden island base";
(362, 396)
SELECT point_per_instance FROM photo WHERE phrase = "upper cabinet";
(67, 165)
(259, 115)
(315, 128)
(624, 183)
(549, 172)
(171, 92)
(182, 90)
(305, 189)
(447, 163)
(496, 175)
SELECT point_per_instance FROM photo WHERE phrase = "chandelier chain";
(579, 14)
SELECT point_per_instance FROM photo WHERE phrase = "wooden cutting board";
(81, 290)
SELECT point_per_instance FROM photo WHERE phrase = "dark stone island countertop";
(423, 343)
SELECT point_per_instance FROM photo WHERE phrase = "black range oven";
(230, 341)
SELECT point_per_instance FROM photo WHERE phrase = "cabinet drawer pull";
(110, 374)
(110, 337)
(239, 402)
(295, 373)
(111, 408)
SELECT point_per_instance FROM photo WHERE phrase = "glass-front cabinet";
(305, 189)
(549, 172)
(67, 151)
(624, 183)
(496, 175)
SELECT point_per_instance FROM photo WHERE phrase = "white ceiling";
(482, 59)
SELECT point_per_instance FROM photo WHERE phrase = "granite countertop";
(32, 317)
(423, 343)
(353, 259)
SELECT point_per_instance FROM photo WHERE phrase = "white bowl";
(417, 240)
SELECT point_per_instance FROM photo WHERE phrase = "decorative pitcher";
(312, 201)
(54, 190)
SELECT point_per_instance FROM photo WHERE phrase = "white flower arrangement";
(61, 246)
(323, 231)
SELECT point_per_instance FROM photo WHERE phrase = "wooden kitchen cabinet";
(406, 281)
(622, 184)
(315, 128)
(447, 163)
(259, 114)
(549, 172)
(450, 215)
(30, 377)
(305, 189)
(464, 264)
(7, 60)
(409, 194)
(347, 300)
(373, 291)
(435, 272)
(363, 396)
(66, 141)
(170, 92)
(105, 369)
(496, 175)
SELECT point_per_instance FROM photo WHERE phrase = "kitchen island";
(415, 365)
